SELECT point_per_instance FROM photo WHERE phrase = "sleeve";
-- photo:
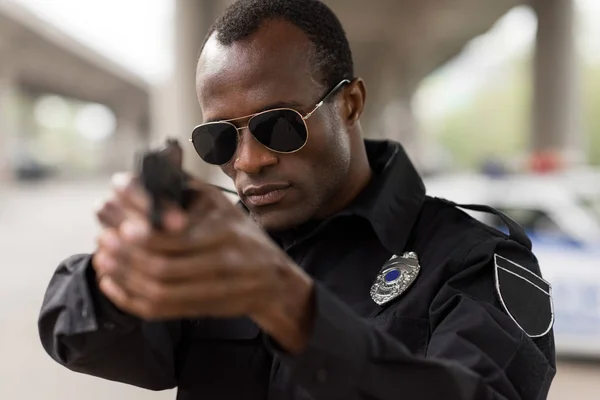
(81, 330)
(476, 349)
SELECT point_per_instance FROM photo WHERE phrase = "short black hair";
(332, 55)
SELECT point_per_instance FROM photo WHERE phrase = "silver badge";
(397, 274)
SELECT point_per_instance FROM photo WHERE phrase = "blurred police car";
(561, 214)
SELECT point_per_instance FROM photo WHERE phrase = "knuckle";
(159, 267)
(109, 213)
(111, 203)
(100, 211)
(156, 294)
(226, 271)
(97, 262)
(121, 181)
(104, 263)
(104, 205)
(108, 241)
(231, 259)
(103, 237)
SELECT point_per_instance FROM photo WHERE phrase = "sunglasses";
(281, 130)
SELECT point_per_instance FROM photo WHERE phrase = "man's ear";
(354, 101)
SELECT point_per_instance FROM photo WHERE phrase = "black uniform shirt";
(475, 324)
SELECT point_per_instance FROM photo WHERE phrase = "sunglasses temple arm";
(331, 92)
(307, 116)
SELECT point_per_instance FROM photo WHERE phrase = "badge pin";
(396, 275)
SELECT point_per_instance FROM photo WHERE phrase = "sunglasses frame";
(251, 116)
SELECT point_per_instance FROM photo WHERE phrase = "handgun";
(161, 174)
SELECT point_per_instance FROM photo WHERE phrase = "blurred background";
(496, 101)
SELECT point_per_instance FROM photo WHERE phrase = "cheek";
(324, 165)
(329, 144)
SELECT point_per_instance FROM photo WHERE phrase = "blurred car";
(561, 214)
(27, 168)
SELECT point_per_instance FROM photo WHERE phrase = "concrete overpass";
(37, 58)
(396, 43)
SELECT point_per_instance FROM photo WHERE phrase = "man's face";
(271, 69)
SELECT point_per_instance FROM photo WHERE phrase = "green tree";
(496, 123)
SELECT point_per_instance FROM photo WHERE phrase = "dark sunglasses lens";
(215, 143)
(279, 130)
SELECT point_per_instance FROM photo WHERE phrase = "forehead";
(270, 66)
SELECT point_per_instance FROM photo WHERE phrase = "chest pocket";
(411, 332)
(227, 329)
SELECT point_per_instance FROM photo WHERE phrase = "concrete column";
(557, 119)
(176, 103)
(388, 113)
(9, 123)
(127, 141)
(397, 122)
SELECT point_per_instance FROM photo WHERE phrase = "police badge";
(396, 275)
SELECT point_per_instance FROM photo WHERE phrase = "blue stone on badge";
(392, 275)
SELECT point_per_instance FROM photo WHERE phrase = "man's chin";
(276, 219)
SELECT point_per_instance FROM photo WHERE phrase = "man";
(339, 278)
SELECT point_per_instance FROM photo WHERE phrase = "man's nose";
(251, 156)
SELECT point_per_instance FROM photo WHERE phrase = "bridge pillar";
(126, 142)
(175, 102)
(557, 119)
(9, 122)
(388, 113)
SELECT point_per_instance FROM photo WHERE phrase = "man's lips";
(264, 195)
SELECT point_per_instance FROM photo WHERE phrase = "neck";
(359, 175)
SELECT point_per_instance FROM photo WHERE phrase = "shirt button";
(84, 313)
(322, 375)
(108, 326)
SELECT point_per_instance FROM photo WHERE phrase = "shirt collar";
(391, 201)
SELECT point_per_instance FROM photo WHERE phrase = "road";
(42, 224)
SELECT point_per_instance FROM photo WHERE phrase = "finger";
(136, 292)
(112, 256)
(190, 298)
(124, 300)
(208, 298)
(223, 266)
(138, 283)
(175, 220)
(104, 263)
(127, 288)
(205, 289)
(110, 214)
(130, 193)
(153, 302)
(138, 232)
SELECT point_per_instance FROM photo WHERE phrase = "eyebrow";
(282, 104)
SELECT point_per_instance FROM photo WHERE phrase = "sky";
(137, 34)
